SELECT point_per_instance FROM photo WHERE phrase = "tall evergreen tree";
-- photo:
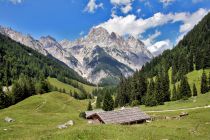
(150, 99)
(159, 90)
(195, 93)
(89, 108)
(108, 102)
(2, 98)
(98, 102)
(204, 84)
(122, 97)
(185, 88)
(174, 93)
(166, 87)
(190, 63)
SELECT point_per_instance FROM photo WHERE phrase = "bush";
(135, 103)
(82, 115)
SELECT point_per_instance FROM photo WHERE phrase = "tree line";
(151, 85)
(25, 70)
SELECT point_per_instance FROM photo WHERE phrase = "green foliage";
(174, 94)
(23, 88)
(204, 83)
(185, 91)
(151, 98)
(195, 93)
(82, 115)
(98, 102)
(135, 103)
(89, 108)
(108, 102)
(16, 59)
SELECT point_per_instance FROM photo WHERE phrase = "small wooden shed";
(122, 116)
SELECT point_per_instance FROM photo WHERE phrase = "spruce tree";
(98, 102)
(122, 97)
(185, 88)
(159, 90)
(174, 94)
(89, 108)
(2, 98)
(166, 87)
(108, 102)
(150, 99)
(195, 93)
(204, 84)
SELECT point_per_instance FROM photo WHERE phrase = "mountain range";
(100, 57)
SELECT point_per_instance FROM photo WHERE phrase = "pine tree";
(98, 102)
(159, 94)
(185, 88)
(89, 108)
(166, 87)
(195, 93)
(108, 102)
(190, 62)
(150, 99)
(204, 84)
(2, 98)
(174, 93)
(122, 97)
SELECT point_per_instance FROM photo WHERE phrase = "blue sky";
(149, 20)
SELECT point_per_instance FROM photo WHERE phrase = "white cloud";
(190, 20)
(166, 2)
(124, 5)
(126, 9)
(130, 24)
(151, 39)
(121, 2)
(16, 1)
(92, 6)
(160, 46)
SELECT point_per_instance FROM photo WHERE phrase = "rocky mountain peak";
(98, 34)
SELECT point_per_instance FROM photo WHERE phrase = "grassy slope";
(67, 87)
(88, 88)
(38, 116)
(193, 77)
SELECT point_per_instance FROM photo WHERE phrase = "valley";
(104, 70)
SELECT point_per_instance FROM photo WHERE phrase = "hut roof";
(88, 114)
(123, 116)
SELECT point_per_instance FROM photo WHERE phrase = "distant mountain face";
(97, 57)
(23, 39)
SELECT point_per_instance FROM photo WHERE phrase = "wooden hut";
(121, 116)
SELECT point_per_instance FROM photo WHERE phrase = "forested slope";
(191, 53)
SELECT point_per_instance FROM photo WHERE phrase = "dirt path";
(182, 109)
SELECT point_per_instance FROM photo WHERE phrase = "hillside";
(60, 85)
(38, 116)
(182, 66)
(16, 59)
(193, 77)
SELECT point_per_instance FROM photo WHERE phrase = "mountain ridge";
(130, 53)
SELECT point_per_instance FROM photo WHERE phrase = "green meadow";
(38, 117)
